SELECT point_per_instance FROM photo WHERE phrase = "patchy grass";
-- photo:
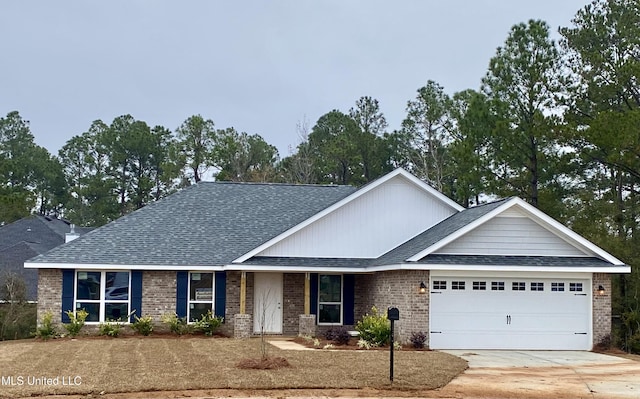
(141, 364)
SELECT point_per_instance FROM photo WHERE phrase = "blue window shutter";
(221, 294)
(136, 294)
(314, 293)
(68, 278)
(348, 291)
(182, 285)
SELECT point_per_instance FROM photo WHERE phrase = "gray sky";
(259, 66)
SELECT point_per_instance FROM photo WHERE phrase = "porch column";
(243, 292)
(307, 293)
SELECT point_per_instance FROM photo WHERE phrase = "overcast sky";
(259, 66)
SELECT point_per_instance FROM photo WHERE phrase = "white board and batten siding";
(368, 226)
(511, 234)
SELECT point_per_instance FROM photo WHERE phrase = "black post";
(391, 357)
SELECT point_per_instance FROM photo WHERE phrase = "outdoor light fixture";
(600, 290)
(423, 287)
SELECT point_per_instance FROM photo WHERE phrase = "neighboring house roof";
(26, 238)
(207, 224)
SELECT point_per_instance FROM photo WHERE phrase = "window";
(497, 286)
(479, 285)
(104, 295)
(557, 287)
(575, 287)
(200, 295)
(330, 299)
(440, 285)
(457, 285)
(537, 286)
(518, 286)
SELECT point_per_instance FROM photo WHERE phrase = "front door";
(267, 303)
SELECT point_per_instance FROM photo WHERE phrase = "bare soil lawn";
(146, 364)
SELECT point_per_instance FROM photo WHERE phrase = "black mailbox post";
(393, 314)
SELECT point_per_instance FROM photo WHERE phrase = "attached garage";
(509, 311)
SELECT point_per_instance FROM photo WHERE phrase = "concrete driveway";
(544, 374)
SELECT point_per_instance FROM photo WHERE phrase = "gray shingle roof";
(207, 224)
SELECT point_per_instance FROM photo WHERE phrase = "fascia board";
(501, 268)
(464, 230)
(363, 190)
(33, 265)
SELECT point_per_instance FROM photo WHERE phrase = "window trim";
(341, 303)
(102, 301)
(213, 294)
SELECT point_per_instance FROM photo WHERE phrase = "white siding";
(368, 226)
(511, 235)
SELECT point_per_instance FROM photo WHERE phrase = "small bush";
(142, 325)
(418, 339)
(208, 324)
(76, 321)
(374, 328)
(339, 335)
(177, 325)
(46, 329)
(110, 329)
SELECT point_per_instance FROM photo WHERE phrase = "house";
(26, 238)
(298, 259)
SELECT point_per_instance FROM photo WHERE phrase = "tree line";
(556, 123)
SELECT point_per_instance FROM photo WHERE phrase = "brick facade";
(50, 294)
(395, 289)
(158, 294)
(384, 289)
(601, 307)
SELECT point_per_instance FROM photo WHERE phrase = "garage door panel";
(534, 318)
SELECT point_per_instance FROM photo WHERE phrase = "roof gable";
(369, 222)
(568, 243)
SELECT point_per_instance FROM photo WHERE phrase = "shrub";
(110, 329)
(374, 328)
(418, 339)
(142, 325)
(177, 325)
(208, 324)
(46, 329)
(339, 335)
(76, 321)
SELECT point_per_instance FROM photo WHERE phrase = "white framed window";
(457, 285)
(330, 299)
(105, 295)
(497, 286)
(575, 287)
(535, 286)
(479, 285)
(518, 286)
(201, 295)
(557, 287)
(440, 285)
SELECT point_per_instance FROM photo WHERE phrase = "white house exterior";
(501, 275)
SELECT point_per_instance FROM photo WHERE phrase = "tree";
(333, 143)
(523, 85)
(604, 49)
(244, 157)
(370, 142)
(298, 167)
(17, 317)
(426, 131)
(29, 176)
(196, 141)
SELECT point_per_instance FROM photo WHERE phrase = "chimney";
(72, 235)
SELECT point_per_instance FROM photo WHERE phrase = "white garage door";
(509, 313)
